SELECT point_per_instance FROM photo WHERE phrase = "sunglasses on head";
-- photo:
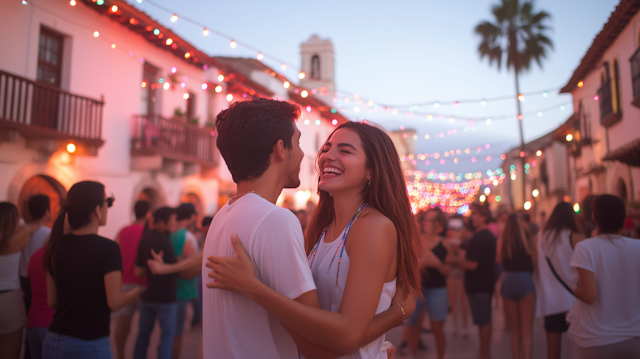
(110, 200)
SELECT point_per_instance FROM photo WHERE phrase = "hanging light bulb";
(301, 75)
(521, 97)
(205, 32)
(99, 2)
(260, 56)
(96, 34)
(304, 94)
(169, 41)
(283, 66)
(72, 2)
(218, 89)
(114, 8)
(286, 84)
(229, 97)
(232, 44)
(174, 18)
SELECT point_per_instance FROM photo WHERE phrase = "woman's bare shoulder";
(374, 224)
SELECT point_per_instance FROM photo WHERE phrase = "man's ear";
(278, 150)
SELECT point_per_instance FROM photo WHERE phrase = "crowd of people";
(537, 271)
(63, 283)
(325, 283)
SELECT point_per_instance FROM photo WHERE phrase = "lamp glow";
(535, 193)
(71, 148)
(527, 205)
(229, 97)
(569, 137)
(218, 89)
(301, 75)
(174, 18)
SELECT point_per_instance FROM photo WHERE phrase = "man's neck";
(38, 223)
(140, 222)
(266, 186)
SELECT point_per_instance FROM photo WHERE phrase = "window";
(191, 108)
(49, 57)
(315, 67)
(149, 89)
(616, 88)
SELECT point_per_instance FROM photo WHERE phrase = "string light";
(166, 86)
(580, 84)
(185, 96)
(205, 32)
(114, 8)
(187, 55)
(521, 97)
(260, 56)
(100, 2)
(301, 75)
(229, 97)
(218, 89)
(174, 18)
(304, 94)
(535, 193)
(286, 84)
(527, 205)
(71, 148)
(232, 44)
(569, 137)
(205, 86)
(538, 153)
(174, 70)
(220, 78)
(72, 3)
(96, 34)
(24, 2)
(113, 46)
(169, 41)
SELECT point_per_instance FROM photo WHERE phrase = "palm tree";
(519, 33)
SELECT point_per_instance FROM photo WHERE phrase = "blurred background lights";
(483, 198)
(334, 122)
(114, 8)
(569, 137)
(174, 70)
(521, 97)
(174, 18)
(205, 31)
(218, 89)
(71, 148)
(185, 96)
(538, 153)
(166, 85)
(229, 97)
(576, 207)
(487, 190)
(304, 94)
(205, 86)
(220, 78)
(527, 205)
(260, 56)
(535, 193)
(233, 44)
(301, 75)
(318, 122)
(286, 84)
(96, 34)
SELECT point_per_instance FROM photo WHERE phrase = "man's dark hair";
(185, 211)
(206, 221)
(141, 208)
(247, 132)
(609, 213)
(38, 206)
(163, 214)
(482, 210)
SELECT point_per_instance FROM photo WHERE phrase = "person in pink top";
(40, 314)
(128, 239)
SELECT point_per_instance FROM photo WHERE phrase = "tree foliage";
(518, 32)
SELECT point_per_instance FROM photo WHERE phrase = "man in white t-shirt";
(260, 144)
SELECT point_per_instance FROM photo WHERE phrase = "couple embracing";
(332, 292)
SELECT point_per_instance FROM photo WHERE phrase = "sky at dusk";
(402, 53)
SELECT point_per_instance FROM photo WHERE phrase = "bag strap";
(553, 270)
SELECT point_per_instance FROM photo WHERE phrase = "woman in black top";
(84, 277)
(434, 282)
(516, 252)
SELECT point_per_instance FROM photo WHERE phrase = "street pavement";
(457, 348)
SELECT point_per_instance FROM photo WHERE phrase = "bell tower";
(318, 65)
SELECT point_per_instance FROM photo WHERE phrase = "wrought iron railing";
(174, 139)
(44, 110)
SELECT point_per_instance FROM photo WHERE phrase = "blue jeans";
(58, 346)
(166, 314)
(35, 337)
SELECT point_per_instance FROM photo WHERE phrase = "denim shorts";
(57, 346)
(516, 285)
(480, 304)
(436, 304)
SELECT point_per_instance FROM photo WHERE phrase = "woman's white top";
(551, 296)
(615, 315)
(330, 295)
(9, 271)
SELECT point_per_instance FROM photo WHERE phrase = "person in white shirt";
(362, 236)
(605, 320)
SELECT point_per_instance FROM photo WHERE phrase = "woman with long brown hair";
(361, 241)
(516, 252)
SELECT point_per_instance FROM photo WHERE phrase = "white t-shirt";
(615, 315)
(234, 325)
(35, 242)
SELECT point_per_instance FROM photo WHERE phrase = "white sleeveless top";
(9, 271)
(552, 297)
(330, 295)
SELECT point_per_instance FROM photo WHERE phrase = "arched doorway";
(46, 185)
(621, 190)
(152, 196)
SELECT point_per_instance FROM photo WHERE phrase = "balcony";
(47, 116)
(635, 77)
(605, 98)
(172, 146)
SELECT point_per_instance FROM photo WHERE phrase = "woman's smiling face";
(343, 163)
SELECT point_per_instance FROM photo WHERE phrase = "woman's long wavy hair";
(82, 200)
(515, 236)
(387, 193)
